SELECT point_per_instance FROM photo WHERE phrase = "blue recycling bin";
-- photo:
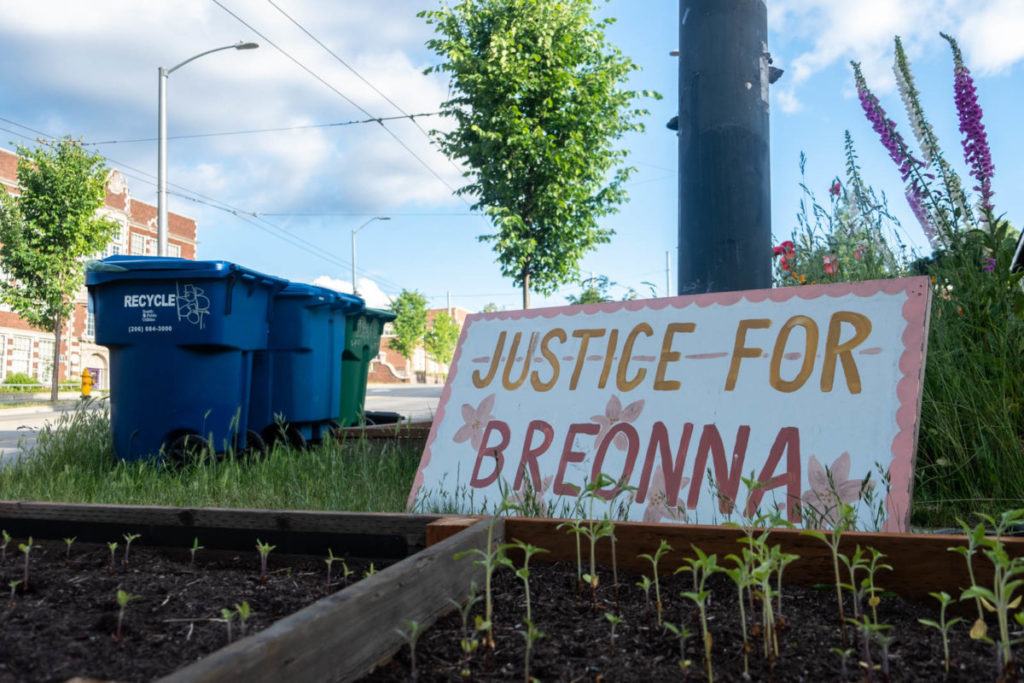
(296, 389)
(181, 336)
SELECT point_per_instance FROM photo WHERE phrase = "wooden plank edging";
(343, 636)
(294, 531)
(921, 563)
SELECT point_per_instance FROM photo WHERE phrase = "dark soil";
(577, 643)
(65, 624)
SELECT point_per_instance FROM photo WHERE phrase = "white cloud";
(838, 31)
(368, 289)
(787, 100)
(991, 36)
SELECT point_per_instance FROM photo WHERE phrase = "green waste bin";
(362, 342)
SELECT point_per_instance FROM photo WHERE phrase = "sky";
(286, 202)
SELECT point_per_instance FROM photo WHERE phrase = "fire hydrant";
(86, 383)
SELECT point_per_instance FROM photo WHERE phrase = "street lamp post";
(161, 181)
(375, 218)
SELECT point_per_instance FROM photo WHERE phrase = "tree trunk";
(525, 284)
(55, 375)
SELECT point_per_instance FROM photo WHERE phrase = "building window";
(90, 319)
(174, 250)
(21, 354)
(138, 244)
(44, 367)
(151, 249)
(112, 249)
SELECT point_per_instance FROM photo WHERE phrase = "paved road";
(415, 401)
(19, 426)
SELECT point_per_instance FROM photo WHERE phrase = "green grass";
(74, 462)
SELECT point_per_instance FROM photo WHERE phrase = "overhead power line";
(340, 94)
(339, 124)
(251, 217)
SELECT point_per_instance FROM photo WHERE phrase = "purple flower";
(922, 217)
(975, 141)
(990, 265)
(884, 126)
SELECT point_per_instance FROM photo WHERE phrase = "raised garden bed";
(326, 640)
(577, 642)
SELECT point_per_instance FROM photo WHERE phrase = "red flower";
(831, 264)
(858, 253)
(787, 250)
(836, 187)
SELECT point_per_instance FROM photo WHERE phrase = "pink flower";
(532, 500)
(614, 413)
(831, 264)
(825, 495)
(858, 253)
(656, 508)
(476, 419)
(834, 191)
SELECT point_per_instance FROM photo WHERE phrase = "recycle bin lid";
(121, 266)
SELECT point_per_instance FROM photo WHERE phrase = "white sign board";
(812, 391)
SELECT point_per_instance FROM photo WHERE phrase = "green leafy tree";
(595, 291)
(538, 103)
(441, 338)
(47, 230)
(490, 308)
(410, 325)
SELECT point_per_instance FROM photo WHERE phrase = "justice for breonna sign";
(695, 409)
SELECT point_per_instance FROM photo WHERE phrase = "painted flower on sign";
(830, 487)
(475, 420)
(657, 507)
(613, 414)
(529, 500)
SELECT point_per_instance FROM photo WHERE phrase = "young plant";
(468, 644)
(113, 560)
(663, 548)
(871, 589)
(575, 526)
(243, 611)
(411, 636)
(614, 620)
(702, 567)
(68, 542)
(645, 584)
(3, 546)
(781, 560)
(523, 572)
(942, 626)
(128, 538)
(264, 551)
(531, 635)
(331, 559)
(975, 537)
(227, 616)
(740, 575)
(370, 572)
(595, 530)
(27, 549)
(192, 553)
(845, 521)
(490, 557)
(683, 634)
(14, 586)
(345, 573)
(123, 598)
(1005, 582)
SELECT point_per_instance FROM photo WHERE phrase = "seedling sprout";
(113, 549)
(128, 538)
(663, 548)
(27, 549)
(264, 550)
(14, 586)
(123, 598)
(192, 553)
(3, 546)
(69, 542)
(943, 625)
(411, 636)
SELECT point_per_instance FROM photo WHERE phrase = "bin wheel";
(255, 448)
(188, 449)
(287, 434)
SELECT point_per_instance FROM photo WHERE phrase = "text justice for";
(491, 458)
(835, 349)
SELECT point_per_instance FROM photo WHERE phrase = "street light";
(161, 171)
(375, 218)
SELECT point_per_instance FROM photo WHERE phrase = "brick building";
(390, 366)
(26, 349)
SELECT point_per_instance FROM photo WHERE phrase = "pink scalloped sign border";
(890, 358)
